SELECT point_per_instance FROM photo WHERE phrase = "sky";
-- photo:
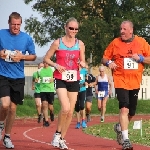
(9, 6)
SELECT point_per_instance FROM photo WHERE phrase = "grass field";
(28, 108)
(106, 131)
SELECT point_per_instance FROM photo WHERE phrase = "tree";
(99, 21)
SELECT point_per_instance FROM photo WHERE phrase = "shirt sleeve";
(108, 53)
(30, 47)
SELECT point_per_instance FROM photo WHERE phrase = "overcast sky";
(9, 6)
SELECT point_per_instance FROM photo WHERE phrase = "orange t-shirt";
(118, 51)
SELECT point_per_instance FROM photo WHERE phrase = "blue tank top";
(103, 83)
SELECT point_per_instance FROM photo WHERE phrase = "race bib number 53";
(129, 63)
(69, 75)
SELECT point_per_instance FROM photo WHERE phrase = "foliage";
(99, 21)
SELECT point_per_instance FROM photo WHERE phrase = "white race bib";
(9, 53)
(101, 93)
(46, 79)
(129, 63)
(69, 75)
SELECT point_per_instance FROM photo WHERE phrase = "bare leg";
(38, 105)
(10, 118)
(45, 109)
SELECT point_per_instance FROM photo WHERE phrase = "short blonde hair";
(71, 19)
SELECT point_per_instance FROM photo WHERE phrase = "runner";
(69, 53)
(36, 88)
(13, 47)
(102, 90)
(91, 82)
(47, 92)
(80, 103)
(125, 55)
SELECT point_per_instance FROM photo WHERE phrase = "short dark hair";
(14, 15)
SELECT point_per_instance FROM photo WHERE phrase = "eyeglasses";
(71, 28)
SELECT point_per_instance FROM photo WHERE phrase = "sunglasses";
(71, 28)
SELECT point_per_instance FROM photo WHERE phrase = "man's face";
(14, 26)
(101, 72)
(126, 31)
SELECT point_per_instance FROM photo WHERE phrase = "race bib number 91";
(129, 63)
(69, 75)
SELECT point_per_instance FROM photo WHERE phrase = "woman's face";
(72, 28)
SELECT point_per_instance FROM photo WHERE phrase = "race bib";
(101, 93)
(10, 53)
(46, 79)
(129, 63)
(69, 75)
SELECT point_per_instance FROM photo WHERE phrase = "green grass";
(105, 130)
(28, 109)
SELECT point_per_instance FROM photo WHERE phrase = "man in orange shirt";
(126, 56)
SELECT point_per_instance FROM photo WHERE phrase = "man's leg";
(88, 108)
(4, 108)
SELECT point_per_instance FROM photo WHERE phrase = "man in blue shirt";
(13, 47)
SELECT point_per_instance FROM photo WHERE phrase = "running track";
(27, 134)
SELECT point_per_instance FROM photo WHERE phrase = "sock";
(7, 136)
(102, 117)
(125, 134)
(58, 132)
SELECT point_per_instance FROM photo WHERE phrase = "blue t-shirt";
(83, 73)
(22, 42)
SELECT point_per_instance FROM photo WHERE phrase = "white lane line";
(25, 134)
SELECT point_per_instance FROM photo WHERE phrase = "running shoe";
(62, 144)
(46, 124)
(119, 134)
(56, 138)
(84, 125)
(7, 142)
(127, 145)
(51, 116)
(88, 117)
(39, 118)
(78, 125)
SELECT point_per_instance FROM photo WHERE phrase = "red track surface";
(27, 134)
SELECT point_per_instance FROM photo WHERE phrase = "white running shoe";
(7, 143)
(56, 138)
(62, 144)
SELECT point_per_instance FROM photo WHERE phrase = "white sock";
(125, 134)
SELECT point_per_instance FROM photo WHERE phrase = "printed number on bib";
(46, 80)
(69, 75)
(101, 93)
(129, 63)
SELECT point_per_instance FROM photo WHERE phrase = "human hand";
(112, 65)
(17, 56)
(136, 57)
(2, 54)
(60, 68)
(82, 64)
